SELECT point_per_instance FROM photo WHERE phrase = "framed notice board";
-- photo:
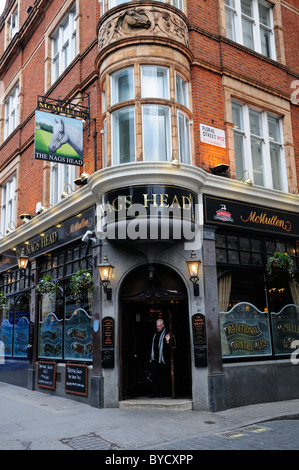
(76, 376)
(46, 374)
(108, 332)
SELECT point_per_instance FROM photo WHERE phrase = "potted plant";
(3, 301)
(280, 261)
(47, 285)
(81, 283)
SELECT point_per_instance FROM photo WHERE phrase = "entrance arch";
(150, 292)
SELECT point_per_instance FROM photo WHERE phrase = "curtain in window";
(224, 289)
(156, 133)
(294, 287)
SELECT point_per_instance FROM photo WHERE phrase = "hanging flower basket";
(3, 301)
(47, 285)
(280, 262)
(81, 283)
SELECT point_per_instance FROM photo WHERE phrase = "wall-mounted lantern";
(193, 267)
(22, 260)
(106, 270)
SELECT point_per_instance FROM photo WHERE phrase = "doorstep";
(167, 403)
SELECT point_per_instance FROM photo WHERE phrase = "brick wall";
(212, 57)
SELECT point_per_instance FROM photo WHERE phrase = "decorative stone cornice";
(144, 20)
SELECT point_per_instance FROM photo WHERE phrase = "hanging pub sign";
(229, 213)
(58, 139)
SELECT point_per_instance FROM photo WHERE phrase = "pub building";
(163, 219)
(232, 323)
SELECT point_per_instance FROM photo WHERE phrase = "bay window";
(122, 86)
(143, 127)
(181, 88)
(183, 138)
(154, 82)
(123, 136)
(156, 133)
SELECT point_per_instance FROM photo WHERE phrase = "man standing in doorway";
(160, 360)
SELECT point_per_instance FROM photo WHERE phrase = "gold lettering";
(146, 200)
(188, 199)
(163, 202)
(264, 220)
(175, 201)
(119, 206)
(128, 201)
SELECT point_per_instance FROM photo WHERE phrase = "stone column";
(97, 389)
(216, 381)
(34, 319)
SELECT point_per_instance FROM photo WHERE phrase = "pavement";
(34, 420)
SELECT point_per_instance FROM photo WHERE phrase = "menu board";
(46, 374)
(108, 332)
(76, 379)
(199, 329)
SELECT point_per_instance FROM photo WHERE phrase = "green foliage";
(47, 285)
(3, 301)
(280, 261)
(81, 283)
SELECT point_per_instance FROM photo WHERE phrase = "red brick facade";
(191, 46)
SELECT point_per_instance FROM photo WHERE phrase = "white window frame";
(116, 157)
(185, 156)
(13, 24)
(58, 56)
(8, 204)
(237, 34)
(62, 179)
(184, 86)
(265, 139)
(11, 111)
(148, 154)
(153, 91)
(115, 87)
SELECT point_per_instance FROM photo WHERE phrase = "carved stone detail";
(146, 21)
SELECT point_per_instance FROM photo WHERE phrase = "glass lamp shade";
(105, 270)
(193, 266)
(22, 261)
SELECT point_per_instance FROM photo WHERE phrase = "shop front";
(257, 257)
(233, 319)
(46, 322)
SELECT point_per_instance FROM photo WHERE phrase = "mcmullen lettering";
(263, 219)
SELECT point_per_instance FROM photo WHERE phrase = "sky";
(2, 4)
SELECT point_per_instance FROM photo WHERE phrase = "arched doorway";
(148, 293)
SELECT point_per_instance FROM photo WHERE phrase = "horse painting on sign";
(65, 134)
